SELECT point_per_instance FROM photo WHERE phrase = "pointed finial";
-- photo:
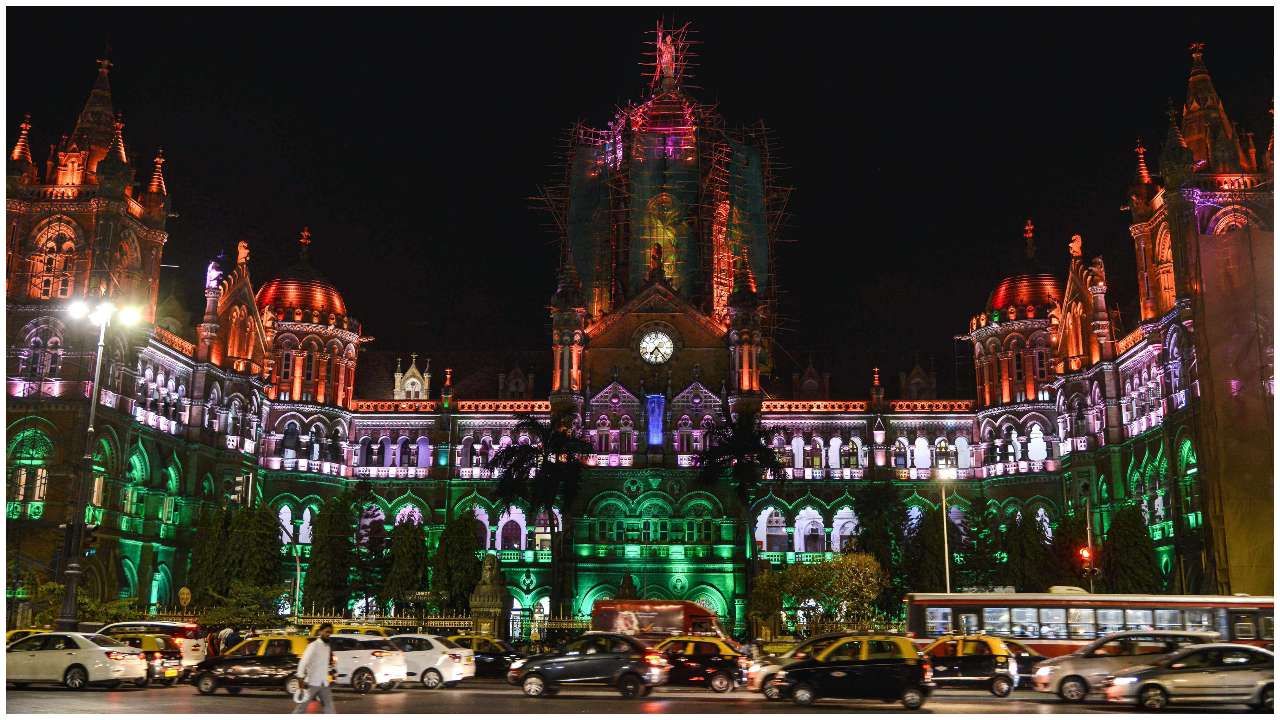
(157, 176)
(304, 239)
(1143, 173)
(397, 366)
(1029, 232)
(22, 148)
(104, 65)
(413, 359)
(875, 376)
(117, 140)
(1197, 51)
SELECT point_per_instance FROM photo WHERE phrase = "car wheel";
(534, 686)
(170, 682)
(1001, 686)
(802, 695)
(1153, 697)
(646, 691)
(292, 686)
(1073, 689)
(770, 692)
(720, 683)
(206, 683)
(432, 679)
(234, 690)
(363, 681)
(451, 685)
(76, 677)
(912, 698)
(18, 685)
(629, 685)
(389, 685)
(1265, 700)
(143, 681)
(112, 685)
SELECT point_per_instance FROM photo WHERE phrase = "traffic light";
(1086, 556)
(90, 544)
(1088, 566)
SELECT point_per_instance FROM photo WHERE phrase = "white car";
(75, 660)
(434, 660)
(1073, 677)
(186, 635)
(364, 662)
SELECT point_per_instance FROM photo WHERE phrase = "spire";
(117, 141)
(568, 293)
(1175, 158)
(96, 123)
(744, 282)
(1204, 120)
(1271, 143)
(157, 185)
(22, 148)
(1029, 234)
(1143, 175)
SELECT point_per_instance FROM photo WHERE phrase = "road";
(492, 696)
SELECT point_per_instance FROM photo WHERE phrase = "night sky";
(918, 143)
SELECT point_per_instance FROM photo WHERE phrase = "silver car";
(1218, 673)
(1072, 677)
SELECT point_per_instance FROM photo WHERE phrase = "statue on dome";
(242, 252)
(1076, 246)
(666, 57)
(213, 274)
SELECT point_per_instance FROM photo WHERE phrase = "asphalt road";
(491, 696)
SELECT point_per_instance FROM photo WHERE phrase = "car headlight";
(1044, 672)
(517, 664)
(1125, 680)
(755, 668)
(780, 674)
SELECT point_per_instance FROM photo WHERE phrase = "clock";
(656, 347)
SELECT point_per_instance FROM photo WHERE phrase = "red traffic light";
(1086, 554)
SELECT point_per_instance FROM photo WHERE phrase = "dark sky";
(918, 142)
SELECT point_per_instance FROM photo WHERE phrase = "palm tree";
(738, 447)
(546, 472)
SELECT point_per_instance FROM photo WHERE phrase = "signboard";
(639, 618)
(184, 597)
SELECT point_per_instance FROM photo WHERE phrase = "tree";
(983, 547)
(882, 525)
(210, 573)
(1068, 537)
(405, 577)
(1029, 564)
(1128, 561)
(328, 582)
(842, 591)
(254, 546)
(455, 568)
(546, 471)
(371, 550)
(739, 449)
(46, 604)
(924, 558)
(245, 605)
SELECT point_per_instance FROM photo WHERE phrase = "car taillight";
(455, 657)
(928, 671)
(655, 659)
(179, 641)
(381, 653)
(116, 655)
(744, 661)
(157, 655)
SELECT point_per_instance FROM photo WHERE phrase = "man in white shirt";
(313, 670)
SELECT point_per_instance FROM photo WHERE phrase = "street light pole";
(69, 614)
(1088, 531)
(946, 550)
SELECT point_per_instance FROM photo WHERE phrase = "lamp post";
(1088, 530)
(101, 315)
(946, 550)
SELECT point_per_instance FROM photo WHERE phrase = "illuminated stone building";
(662, 313)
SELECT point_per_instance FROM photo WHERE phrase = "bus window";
(1267, 630)
(1243, 627)
(996, 620)
(1200, 620)
(969, 624)
(937, 620)
(1025, 623)
(1168, 619)
(1053, 623)
(1080, 623)
(1137, 619)
(1110, 621)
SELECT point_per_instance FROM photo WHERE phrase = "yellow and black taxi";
(980, 661)
(704, 661)
(162, 653)
(17, 634)
(354, 629)
(265, 661)
(873, 667)
(493, 656)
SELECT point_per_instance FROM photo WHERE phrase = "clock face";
(656, 347)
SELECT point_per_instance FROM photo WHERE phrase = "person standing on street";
(313, 670)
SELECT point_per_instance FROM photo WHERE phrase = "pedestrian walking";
(313, 671)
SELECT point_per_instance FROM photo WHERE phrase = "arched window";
(922, 454)
(286, 524)
(814, 539)
(482, 534)
(775, 532)
(510, 538)
(424, 452)
(409, 514)
(289, 445)
(1036, 448)
(30, 451)
(304, 532)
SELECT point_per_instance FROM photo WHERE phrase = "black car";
(493, 656)
(704, 662)
(981, 661)
(260, 662)
(863, 667)
(619, 661)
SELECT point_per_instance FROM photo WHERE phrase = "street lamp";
(946, 550)
(102, 315)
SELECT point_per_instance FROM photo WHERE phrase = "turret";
(568, 338)
(744, 339)
(21, 171)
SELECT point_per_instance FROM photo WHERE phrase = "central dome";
(302, 287)
(1025, 290)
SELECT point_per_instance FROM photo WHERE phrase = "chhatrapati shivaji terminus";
(665, 283)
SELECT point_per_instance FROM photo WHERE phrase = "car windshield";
(104, 641)
(377, 645)
(810, 647)
(446, 642)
